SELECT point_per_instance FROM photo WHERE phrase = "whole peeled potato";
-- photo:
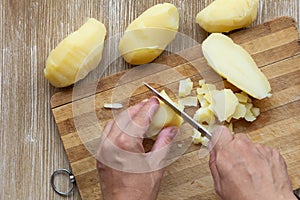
(149, 34)
(227, 15)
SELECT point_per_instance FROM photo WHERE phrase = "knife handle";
(297, 193)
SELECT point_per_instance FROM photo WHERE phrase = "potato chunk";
(149, 34)
(235, 64)
(164, 117)
(76, 55)
(227, 15)
(224, 104)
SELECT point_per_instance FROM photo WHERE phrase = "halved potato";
(236, 65)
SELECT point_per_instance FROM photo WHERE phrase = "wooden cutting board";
(275, 48)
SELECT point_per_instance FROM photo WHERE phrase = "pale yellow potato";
(188, 101)
(164, 117)
(227, 15)
(240, 111)
(204, 114)
(149, 34)
(223, 104)
(236, 65)
(76, 55)
(185, 87)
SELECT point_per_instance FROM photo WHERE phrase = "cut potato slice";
(240, 111)
(227, 15)
(224, 103)
(149, 34)
(236, 65)
(76, 55)
(188, 101)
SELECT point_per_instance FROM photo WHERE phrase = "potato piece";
(255, 111)
(203, 102)
(249, 116)
(188, 101)
(164, 117)
(236, 65)
(201, 82)
(76, 55)
(204, 114)
(223, 103)
(198, 139)
(240, 111)
(227, 15)
(242, 97)
(185, 87)
(149, 34)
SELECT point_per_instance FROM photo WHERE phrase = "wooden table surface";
(29, 141)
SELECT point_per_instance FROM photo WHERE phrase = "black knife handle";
(297, 193)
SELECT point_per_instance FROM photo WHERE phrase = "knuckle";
(122, 142)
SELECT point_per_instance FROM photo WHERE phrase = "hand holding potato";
(126, 133)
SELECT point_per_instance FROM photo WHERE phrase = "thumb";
(165, 137)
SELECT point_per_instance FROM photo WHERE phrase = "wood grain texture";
(29, 141)
(275, 48)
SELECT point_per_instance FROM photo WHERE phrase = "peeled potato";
(236, 65)
(149, 34)
(164, 117)
(227, 15)
(76, 55)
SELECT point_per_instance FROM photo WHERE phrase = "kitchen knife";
(184, 115)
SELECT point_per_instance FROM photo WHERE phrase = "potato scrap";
(185, 87)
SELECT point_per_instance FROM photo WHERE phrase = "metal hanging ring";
(71, 178)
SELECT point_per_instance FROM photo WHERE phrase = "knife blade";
(184, 115)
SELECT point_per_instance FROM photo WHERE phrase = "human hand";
(125, 170)
(243, 170)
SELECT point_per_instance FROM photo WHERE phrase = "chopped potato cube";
(240, 111)
(224, 103)
(204, 114)
(188, 101)
(185, 87)
(242, 97)
(255, 111)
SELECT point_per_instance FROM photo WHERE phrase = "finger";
(116, 134)
(164, 138)
(107, 128)
(214, 170)
(242, 136)
(141, 121)
(158, 154)
(220, 138)
(125, 117)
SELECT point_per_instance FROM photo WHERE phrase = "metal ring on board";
(71, 178)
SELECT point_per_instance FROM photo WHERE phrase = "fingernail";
(145, 100)
(173, 132)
